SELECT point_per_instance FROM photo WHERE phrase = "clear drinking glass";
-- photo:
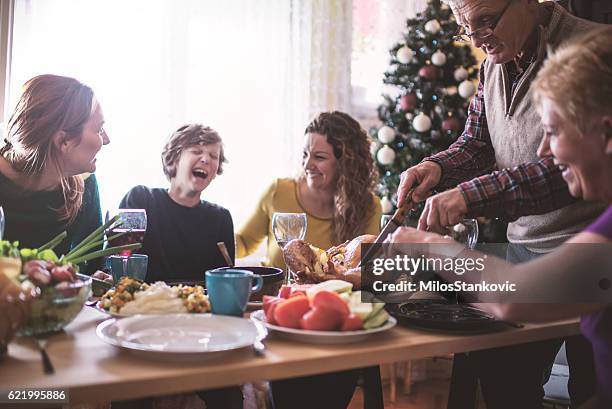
(465, 232)
(287, 227)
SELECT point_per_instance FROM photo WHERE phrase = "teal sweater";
(31, 220)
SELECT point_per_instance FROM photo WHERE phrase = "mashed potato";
(159, 298)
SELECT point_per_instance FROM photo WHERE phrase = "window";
(156, 65)
(377, 26)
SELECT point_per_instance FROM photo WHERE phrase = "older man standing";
(503, 132)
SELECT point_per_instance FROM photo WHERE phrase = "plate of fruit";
(325, 313)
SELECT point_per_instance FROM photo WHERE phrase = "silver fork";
(42, 347)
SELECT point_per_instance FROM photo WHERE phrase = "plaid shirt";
(530, 188)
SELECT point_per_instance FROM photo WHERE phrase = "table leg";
(372, 388)
(463, 385)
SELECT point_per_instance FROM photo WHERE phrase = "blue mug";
(134, 266)
(229, 290)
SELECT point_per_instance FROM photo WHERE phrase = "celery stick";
(83, 250)
(53, 242)
(94, 235)
(106, 252)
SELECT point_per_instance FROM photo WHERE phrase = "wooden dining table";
(93, 371)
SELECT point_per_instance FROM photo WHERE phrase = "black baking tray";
(443, 316)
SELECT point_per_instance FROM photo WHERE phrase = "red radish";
(270, 313)
(321, 319)
(352, 323)
(285, 291)
(267, 301)
(289, 312)
(332, 300)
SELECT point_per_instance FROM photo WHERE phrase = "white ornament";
(438, 110)
(451, 90)
(404, 55)
(386, 134)
(432, 26)
(421, 123)
(416, 144)
(467, 89)
(387, 206)
(409, 116)
(385, 155)
(438, 58)
(460, 74)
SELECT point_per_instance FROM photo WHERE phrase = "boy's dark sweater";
(181, 242)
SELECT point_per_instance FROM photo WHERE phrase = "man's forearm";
(528, 189)
(466, 159)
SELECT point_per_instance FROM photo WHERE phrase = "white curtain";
(254, 70)
(319, 63)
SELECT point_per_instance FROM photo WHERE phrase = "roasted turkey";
(310, 264)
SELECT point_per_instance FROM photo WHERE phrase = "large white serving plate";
(181, 335)
(322, 337)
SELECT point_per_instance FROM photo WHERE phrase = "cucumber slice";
(376, 320)
(361, 309)
(338, 286)
(376, 308)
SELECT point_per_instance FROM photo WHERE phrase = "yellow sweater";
(281, 196)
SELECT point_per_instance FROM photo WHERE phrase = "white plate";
(322, 337)
(181, 335)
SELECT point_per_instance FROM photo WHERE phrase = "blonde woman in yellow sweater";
(335, 189)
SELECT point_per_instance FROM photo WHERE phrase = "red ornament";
(429, 72)
(408, 101)
(451, 124)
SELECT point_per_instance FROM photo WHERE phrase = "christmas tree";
(432, 81)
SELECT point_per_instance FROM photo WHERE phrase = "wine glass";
(465, 232)
(1, 222)
(132, 224)
(287, 227)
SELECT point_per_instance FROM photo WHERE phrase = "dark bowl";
(273, 279)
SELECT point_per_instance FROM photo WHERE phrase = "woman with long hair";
(335, 189)
(46, 161)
